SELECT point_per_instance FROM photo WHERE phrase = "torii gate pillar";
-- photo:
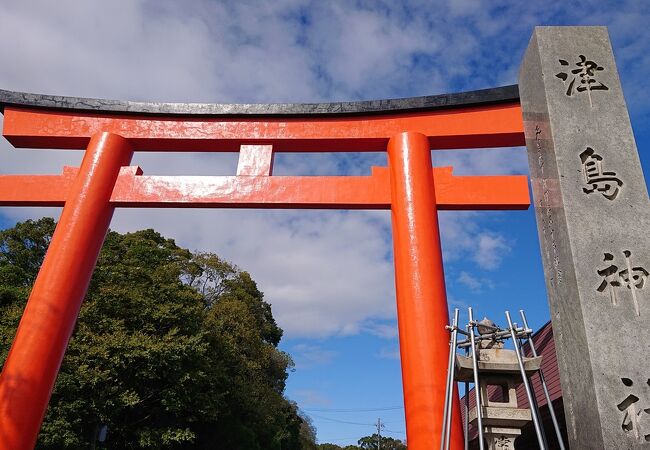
(51, 313)
(420, 288)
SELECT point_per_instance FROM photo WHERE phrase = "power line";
(389, 408)
(324, 441)
(379, 425)
(344, 421)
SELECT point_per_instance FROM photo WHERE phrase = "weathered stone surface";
(593, 216)
(504, 417)
(501, 438)
(498, 364)
(504, 94)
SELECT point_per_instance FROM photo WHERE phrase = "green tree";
(387, 443)
(22, 249)
(307, 433)
(171, 349)
(328, 446)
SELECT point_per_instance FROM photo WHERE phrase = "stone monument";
(593, 217)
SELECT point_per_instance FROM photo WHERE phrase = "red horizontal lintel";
(496, 125)
(133, 190)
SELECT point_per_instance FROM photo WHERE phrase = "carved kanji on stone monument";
(597, 179)
(610, 279)
(630, 277)
(584, 74)
(636, 413)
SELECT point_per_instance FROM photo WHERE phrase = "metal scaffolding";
(474, 334)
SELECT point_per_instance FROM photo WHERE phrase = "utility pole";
(379, 427)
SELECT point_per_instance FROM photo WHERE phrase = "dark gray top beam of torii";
(504, 94)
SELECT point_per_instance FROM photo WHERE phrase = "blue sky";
(328, 274)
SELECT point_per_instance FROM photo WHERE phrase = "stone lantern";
(499, 375)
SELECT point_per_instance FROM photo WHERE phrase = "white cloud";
(454, 302)
(383, 330)
(391, 352)
(309, 355)
(471, 282)
(475, 284)
(499, 161)
(324, 272)
(465, 237)
(309, 398)
(491, 250)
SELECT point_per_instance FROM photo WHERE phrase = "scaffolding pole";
(449, 391)
(551, 410)
(477, 389)
(524, 378)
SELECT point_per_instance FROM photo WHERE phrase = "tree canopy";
(172, 349)
(369, 443)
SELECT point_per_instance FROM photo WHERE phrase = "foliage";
(387, 443)
(307, 433)
(328, 446)
(171, 350)
(368, 443)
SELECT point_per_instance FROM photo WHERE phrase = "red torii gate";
(110, 131)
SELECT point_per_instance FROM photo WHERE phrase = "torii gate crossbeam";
(111, 131)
